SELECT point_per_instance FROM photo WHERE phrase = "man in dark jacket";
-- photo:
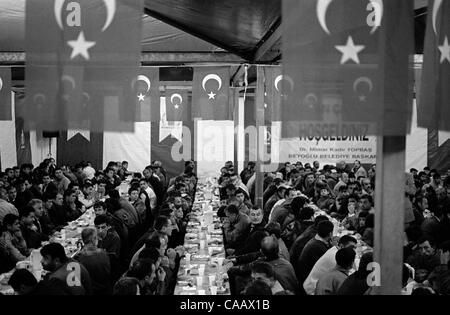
(247, 172)
(300, 242)
(30, 228)
(235, 227)
(241, 272)
(23, 194)
(24, 283)
(256, 233)
(156, 184)
(313, 250)
(277, 191)
(109, 239)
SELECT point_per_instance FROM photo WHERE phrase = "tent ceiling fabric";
(157, 36)
(235, 25)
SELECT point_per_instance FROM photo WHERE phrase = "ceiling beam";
(272, 38)
(151, 58)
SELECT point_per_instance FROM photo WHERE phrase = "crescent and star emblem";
(144, 79)
(214, 77)
(80, 46)
(281, 77)
(436, 6)
(110, 12)
(39, 99)
(176, 96)
(311, 100)
(359, 81)
(69, 79)
(445, 47)
(350, 50)
(322, 7)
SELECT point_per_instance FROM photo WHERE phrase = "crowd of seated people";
(137, 236)
(285, 246)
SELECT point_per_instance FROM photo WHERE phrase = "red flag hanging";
(177, 105)
(274, 80)
(146, 94)
(210, 93)
(348, 67)
(79, 48)
(5, 94)
(434, 102)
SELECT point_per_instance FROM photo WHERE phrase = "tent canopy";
(247, 29)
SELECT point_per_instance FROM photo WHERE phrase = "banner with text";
(328, 151)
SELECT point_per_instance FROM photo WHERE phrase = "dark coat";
(253, 241)
(300, 242)
(313, 250)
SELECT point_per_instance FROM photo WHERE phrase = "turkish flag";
(177, 105)
(146, 94)
(5, 94)
(273, 85)
(23, 145)
(210, 93)
(75, 146)
(76, 48)
(347, 63)
(434, 102)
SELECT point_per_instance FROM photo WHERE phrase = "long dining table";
(201, 269)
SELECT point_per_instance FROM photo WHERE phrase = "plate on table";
(191, 235)
(200, 257)
(216, 241)
(83, 224)
(216, 250)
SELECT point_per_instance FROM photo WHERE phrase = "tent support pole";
(259, 115)
(389, 214)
